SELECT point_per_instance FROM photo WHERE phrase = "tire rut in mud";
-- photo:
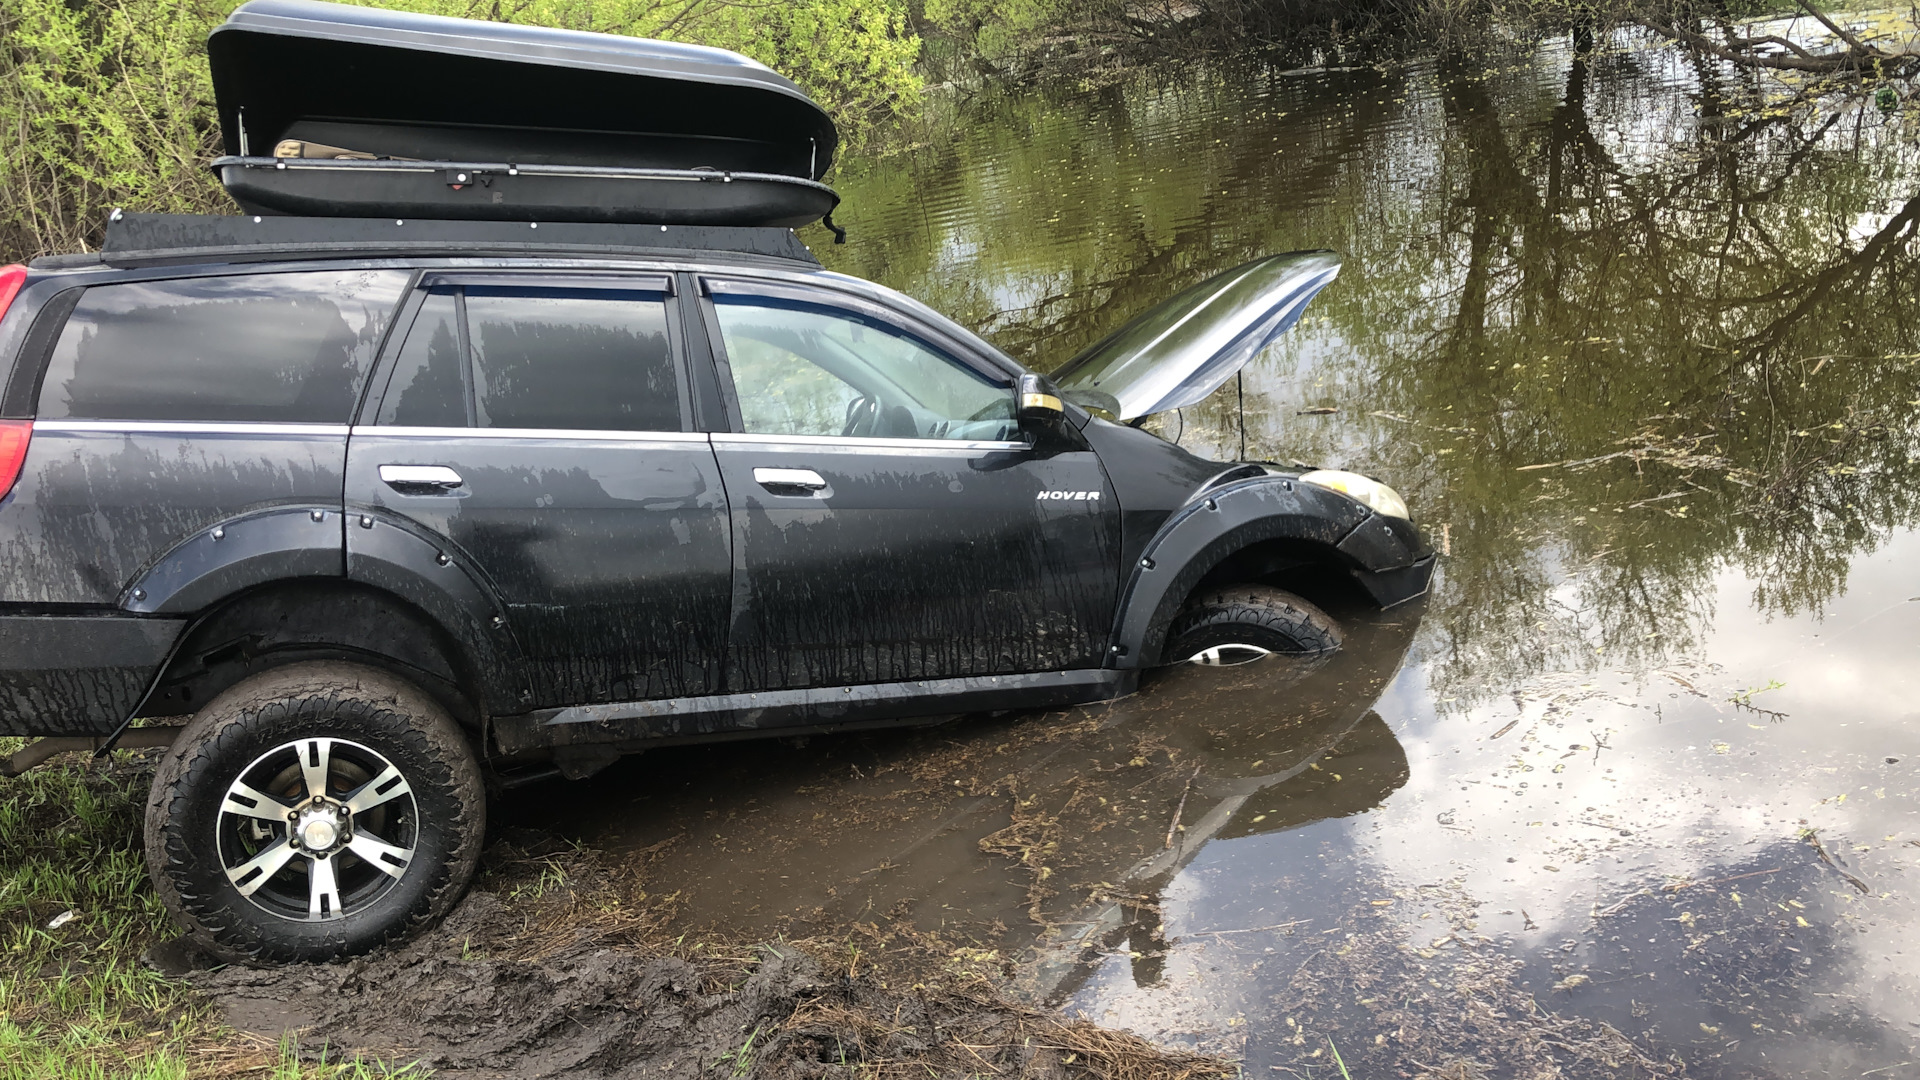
(600, 1011)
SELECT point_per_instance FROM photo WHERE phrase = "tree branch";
(1824, 63)
(1855, 43)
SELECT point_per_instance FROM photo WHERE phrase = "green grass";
(76, 1003)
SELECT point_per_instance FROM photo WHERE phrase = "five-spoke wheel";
(313, 811)
(316, 828)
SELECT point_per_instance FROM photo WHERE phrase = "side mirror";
(1038, 400)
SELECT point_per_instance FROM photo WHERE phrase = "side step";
(793, 712)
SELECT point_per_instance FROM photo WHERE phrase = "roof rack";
(138, 239)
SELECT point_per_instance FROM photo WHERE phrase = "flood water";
(1634, 790)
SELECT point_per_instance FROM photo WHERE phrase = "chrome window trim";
(186, 427)
(647, 280)
(853, 443)
(547, 434)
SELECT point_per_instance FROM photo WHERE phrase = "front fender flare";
(1199, 535)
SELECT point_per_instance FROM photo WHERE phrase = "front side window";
(595, 360)
(276, 348)
(807, 369)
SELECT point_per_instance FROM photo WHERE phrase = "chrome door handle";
(805, 479)
(420, 479)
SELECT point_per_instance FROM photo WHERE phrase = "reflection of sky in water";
(1683, 787)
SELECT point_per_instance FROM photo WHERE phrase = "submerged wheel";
(314, 811)
(1240, 623)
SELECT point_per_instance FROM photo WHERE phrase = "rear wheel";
(314, 811)
(1240, 623)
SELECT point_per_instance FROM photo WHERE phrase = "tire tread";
(339, 694)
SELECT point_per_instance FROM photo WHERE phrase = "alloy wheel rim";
(1229, 655)
(317, 829)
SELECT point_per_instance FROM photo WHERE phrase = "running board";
(793, 712)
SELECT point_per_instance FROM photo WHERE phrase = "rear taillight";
(14, 436)
(11, 278)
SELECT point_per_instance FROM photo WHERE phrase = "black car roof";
(145, 239)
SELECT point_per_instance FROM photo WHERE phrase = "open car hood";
(1181, 350)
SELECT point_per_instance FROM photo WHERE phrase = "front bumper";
(77, 674)
(1392, 587)
(1391, 559)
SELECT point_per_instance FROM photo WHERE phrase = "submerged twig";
(1813, 837)
(1181, 809)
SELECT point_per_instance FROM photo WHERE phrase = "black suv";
(382, 507)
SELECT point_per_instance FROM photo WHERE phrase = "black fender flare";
(1199, 535)
(283, 543)
(396, 556)
(240, 553)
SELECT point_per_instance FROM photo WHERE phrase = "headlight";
(1375, 495)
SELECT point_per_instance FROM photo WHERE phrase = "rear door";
(891, 521)
(540, 427)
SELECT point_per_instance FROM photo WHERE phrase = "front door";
(891, 521)
(541, 427)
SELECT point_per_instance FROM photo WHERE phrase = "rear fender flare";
(1212, 527)
(237, 554)
(286, 543)
(396, 556)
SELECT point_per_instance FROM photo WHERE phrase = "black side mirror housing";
(1037, 399)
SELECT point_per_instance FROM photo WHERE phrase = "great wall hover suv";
(509, 433)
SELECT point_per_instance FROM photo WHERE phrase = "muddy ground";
(567, 970)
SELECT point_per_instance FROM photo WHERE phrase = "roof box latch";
(460, 178)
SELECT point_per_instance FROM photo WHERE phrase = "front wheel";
(1239, 623)
(314, 811)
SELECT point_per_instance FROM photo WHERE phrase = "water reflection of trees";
(1561, 259)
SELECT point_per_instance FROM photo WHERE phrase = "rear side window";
(596, 361)
(429, 387)
(541, 358)
(284, 348)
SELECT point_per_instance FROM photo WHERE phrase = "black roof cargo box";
(335, 110)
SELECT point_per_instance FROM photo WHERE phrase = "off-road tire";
(343, 701)
(1250, 615)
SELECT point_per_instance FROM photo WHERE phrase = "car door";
(540, 427)
(891, 520)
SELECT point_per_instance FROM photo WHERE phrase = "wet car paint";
(586, 543)
(919, 560)
(975, 562)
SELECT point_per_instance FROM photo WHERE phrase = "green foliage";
(109, 103)
(74, 998)
(103, 103)
(1000, 32)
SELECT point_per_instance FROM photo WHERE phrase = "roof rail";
(147, 238)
